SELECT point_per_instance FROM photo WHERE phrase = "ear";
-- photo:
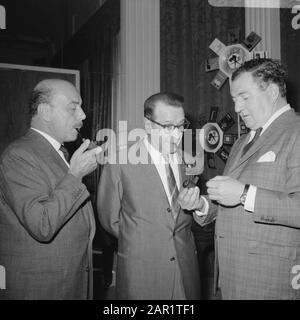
(148, 125)
(273, 91)
(45, 111)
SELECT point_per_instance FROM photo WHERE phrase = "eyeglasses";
(168, 128)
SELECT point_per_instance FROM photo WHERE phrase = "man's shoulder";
(296, 118)
(289, 116)
(27, 145)
(17, 145)
(290, 123)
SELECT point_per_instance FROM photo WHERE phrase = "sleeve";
(41, 209)
(250, 199)
(282, 207)
(204, 210)
(109, 199)
(209, 213)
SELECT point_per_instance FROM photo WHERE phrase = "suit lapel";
(183, 177)
(54, 161)
(46, 150)
(272, 131)
(236, 153)
(151, 172)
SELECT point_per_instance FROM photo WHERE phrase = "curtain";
(91, 51)
(187, 29)
(96, 89)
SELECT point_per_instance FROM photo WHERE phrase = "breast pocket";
(267, 175)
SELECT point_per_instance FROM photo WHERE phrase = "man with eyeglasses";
(147, 208)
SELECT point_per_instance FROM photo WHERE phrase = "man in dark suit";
(141, 203)
(46, 218)
(258, 221)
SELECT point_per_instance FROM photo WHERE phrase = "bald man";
(46, 219)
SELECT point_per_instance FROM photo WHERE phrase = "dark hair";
(39, 95)
(168, 98)
(264, 70)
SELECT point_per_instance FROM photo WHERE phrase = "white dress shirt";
(159, 161)
(56, 145)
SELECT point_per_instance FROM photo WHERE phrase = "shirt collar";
(273, 118)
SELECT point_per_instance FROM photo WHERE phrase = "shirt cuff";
(250, 199)
(204, 210)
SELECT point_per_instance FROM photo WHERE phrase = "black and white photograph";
(149, 153)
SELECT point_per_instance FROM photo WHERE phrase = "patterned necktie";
(174, 192)
(65, 153)
(251, 143)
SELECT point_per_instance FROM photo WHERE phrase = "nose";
(177, 133)
(80, 114)
(237, 106)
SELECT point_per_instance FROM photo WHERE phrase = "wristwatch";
(244, 194)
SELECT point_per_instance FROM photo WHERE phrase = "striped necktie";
(251, 143)
(174, 192)
(65, 153)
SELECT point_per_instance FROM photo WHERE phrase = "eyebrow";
(240, 93)
(74, 102)
(173, 124)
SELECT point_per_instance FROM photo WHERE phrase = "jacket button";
(169, 209)
(172, 259)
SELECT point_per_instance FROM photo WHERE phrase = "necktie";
(251, 143)
(65, 153)
(174, 192)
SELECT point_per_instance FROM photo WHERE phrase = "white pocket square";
(267, 157)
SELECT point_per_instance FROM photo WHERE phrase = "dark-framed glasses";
(168, 128)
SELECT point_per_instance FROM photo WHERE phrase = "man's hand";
(189, 199)
(102, 157)
(84, 161)
(225, 190)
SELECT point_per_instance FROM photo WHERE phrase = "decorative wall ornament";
(214, 137)
(230, 57)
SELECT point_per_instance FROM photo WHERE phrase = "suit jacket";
(133, 206)
(46, 224)
(257, 251)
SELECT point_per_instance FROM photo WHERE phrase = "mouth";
(78, 126)
(78, 132)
